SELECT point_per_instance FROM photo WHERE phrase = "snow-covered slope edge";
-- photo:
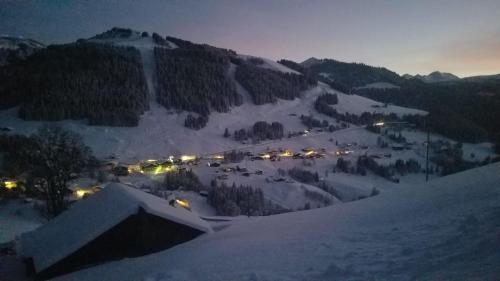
(446, 229)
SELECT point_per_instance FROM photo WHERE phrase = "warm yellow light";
(10, 184)
(182, 202)
(157, 170)
(134, 169)
(311, 152)
(265, 156)
(186, 158)
(287, 153)
(169, 168)
(151, 160)
(80, 193)
(220, 157)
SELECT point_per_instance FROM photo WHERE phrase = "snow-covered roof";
(91, 217)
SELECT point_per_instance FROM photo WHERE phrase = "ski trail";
(149, 66)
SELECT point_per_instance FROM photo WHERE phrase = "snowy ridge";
(89, 218)
(451, 236)
(270, 64)
(13, 43)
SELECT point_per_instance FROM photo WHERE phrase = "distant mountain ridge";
(346, 75)
(15, 48)
(434, 77)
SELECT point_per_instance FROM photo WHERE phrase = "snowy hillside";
(270, 64)
(357, 105)
(452, 235)
(14, 43)
(17, 48)
(161, 132)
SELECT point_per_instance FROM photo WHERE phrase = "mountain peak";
(433, 77)
(117, 33)
(12, 48)
(438, 76)
(310, 61)
(15, 43)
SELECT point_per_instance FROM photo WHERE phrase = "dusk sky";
(462, 37)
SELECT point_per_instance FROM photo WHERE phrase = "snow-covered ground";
(358, 104)
(471, 151)
(447, 229)
(17, 217)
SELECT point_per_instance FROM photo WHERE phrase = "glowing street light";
(186, 158)
(10, 184)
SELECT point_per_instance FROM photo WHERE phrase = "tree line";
(266, 85)
(182, 179)
(102, 83)
(195, 79)
(260, 130)
(235, 201)
(464, 111)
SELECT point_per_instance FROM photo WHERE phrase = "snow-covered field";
(447, 229)
(358, 104)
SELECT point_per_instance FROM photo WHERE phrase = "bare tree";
(58, 154)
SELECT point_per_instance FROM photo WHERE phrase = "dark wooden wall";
(138, 235)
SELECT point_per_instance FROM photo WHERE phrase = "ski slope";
(161, 132)
(447, 229)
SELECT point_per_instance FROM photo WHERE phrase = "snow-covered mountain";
(14, 43)
(14, 48)
(434, 77)
(161, 131)
(310, 62)
(446, 229)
